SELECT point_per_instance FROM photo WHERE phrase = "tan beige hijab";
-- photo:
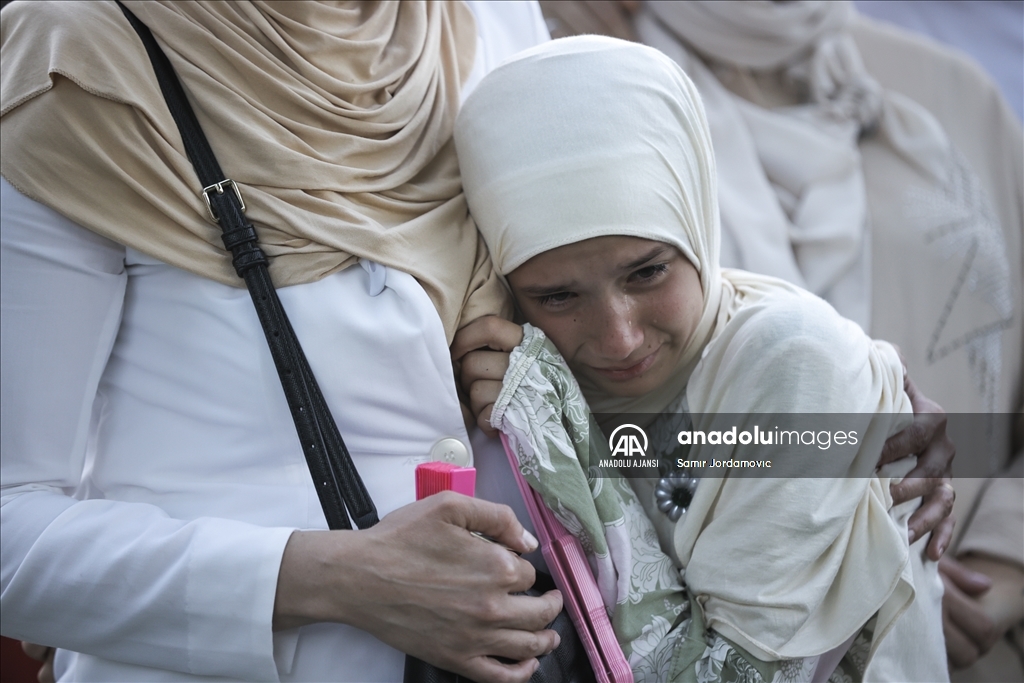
(334, 118)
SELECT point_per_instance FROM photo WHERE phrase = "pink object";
(434, 477)
(571, 571)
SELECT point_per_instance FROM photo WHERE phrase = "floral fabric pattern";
(659, 627)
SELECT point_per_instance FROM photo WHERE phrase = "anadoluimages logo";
(628, 441)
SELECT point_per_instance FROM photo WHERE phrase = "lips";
(622, 374)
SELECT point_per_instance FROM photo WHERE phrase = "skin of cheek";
(626, 338)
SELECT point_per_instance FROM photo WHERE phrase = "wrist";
(308, 589)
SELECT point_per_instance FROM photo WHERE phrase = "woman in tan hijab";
(159, 521)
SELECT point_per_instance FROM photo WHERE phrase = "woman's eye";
(557, 299)
(649, 273)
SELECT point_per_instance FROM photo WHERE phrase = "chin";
(633, 388)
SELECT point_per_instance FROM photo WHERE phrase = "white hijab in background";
(791, 186)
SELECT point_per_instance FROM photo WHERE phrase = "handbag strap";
(337, 482)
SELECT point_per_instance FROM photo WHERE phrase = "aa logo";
(628, 440)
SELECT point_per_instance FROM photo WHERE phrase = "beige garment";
(970, 360)
(335, 121)
(980, 375)
(992, 524)
(994, 517)
(783, 567)
(792, 190)
(755, 548)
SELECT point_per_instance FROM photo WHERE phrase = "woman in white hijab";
(606, 228)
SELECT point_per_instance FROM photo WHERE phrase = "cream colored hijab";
(537, 178)
(793, 197)
(591, 136)
(334, 118)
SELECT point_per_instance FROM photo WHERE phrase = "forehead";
(591, 256)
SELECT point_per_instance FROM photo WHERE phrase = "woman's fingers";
(970, 632)
(965, 579)
(492, 520)
(937, 498)
(523, 649)
(423, 583)
(925, 437)
(484, 668)
(44, 654)
(483, 393)
(484, 365)
(489, 332)
(36, 652)
(961, 651)
(932, 472)
(930, 478)
(483, 421)
(521, 646)
(942, 536)
(531, 617)
(480, 376)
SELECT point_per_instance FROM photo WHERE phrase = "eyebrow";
(649, 256)
(547, 290)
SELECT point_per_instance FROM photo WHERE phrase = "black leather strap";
(337, 482)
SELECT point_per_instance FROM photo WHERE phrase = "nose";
(618, 333)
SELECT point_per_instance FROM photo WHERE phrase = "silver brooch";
(674, 493)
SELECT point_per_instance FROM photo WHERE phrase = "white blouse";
(151, 475)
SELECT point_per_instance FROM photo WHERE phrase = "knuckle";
(506, 571)
(489, 610)
(446, 502)
(492, 325)
(545, 642)
(934, 468)
(504, 517)
(917, 436)
(931, 470)
(539, 643)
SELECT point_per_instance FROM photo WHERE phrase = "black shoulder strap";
(337, 482)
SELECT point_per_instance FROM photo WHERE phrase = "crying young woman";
(588, 166)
